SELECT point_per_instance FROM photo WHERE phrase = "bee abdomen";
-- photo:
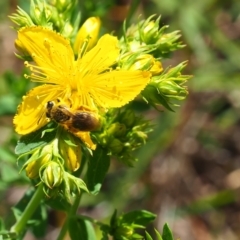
(85, 121)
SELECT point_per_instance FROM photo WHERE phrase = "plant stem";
(20, 225)
(73, 209)
(71, 212)
(134, 5)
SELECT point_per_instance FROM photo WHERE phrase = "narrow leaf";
(33, 140)
(98, 166)
(148, 237)
(81, 229)
(167, 233)
(139, 217)
(159, 237)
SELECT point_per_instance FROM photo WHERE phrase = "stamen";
(26, 76)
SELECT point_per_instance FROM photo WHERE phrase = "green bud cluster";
(125, 226)
(58, 182)
(53, 163)
(122, 133)
(147, 36)
(56, 15)
(165, 87)
(144, 47)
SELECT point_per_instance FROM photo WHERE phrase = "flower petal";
(99, 58)
(51, 51)
(85, 137)
(31, 114)
(116, 88)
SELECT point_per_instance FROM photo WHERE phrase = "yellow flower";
(88, 82)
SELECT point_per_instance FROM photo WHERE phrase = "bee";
(70, 119)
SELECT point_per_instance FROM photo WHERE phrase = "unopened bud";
(142, 136)
(20, 47)
(124, 231)
(38, 159)
(116, 129)
(32, 169)
(156, 68)
(52, 175)
(116, 146)
(71, 152)
(128, 117)
(143, 62)
(171, 89)
(90, 29)
(150, 31)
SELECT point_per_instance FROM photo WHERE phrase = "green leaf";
(113, 220)
(59, 203)
(8, 236)
(159, 237)
(8, 104)
(40, 223)
(105, 229)
(7, 155)
(33, 140)
(98, 166)
(148, 237)
(139, 217)
(2, 225)
(167, 233)
(81, 229)
(9, 173)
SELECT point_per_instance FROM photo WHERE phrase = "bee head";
(50, 105)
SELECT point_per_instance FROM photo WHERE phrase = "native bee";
(70, 119)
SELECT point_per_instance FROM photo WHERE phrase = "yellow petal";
(116, 88)
(99, 58)
(31, 114)
(51, 51)
(85, 137)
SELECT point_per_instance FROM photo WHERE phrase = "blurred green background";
(189, 171)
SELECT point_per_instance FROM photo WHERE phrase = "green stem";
(134, 5)
(92, 220)
(71, 212)
(20, 225)
(73, 209)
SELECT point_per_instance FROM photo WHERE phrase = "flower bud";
(90, 29)
(32, 169)
(156, 68)
(52, 175)
(116, 129)
(143, 62)
(38, 159)
(150, 31)
(151, 94)
(22, 50)
(71, 151)
(172, 89)
(123, 231)
(116, 146)
(128, 117)
(140, 135)
(63, 5)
